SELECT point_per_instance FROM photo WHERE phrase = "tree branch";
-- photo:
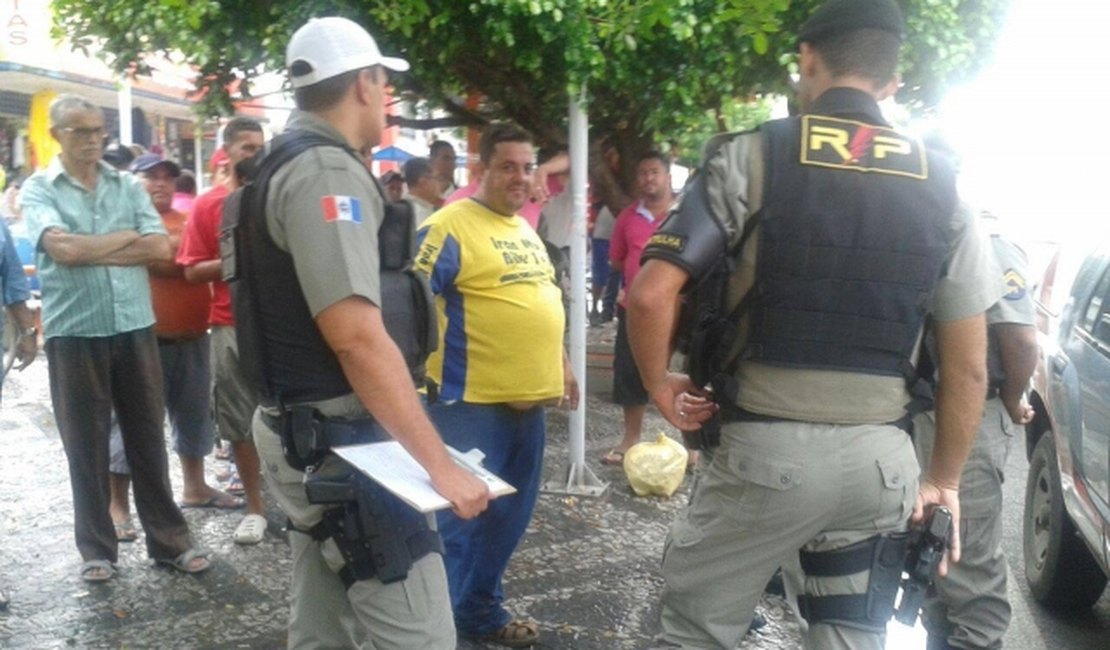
(433, 123)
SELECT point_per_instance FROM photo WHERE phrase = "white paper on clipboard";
(397, 471)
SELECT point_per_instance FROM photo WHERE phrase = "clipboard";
(396, 470)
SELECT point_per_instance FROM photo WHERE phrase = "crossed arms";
(120, 248)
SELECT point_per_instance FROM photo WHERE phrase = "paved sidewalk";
(588, 569)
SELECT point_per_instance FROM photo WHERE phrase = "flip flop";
(219, 501)
(184, 562)
(97, 571)
(235, 484)
(125, 531)
(614, 457)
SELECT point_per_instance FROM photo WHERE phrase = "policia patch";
(850, 145)
(672, 242)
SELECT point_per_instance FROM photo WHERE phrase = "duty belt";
(335, 431)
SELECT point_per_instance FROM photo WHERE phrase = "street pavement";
(587, 570)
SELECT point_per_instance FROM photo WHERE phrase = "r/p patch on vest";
(341, 208)
(855, 146)
(1015, 285)
(667, 241)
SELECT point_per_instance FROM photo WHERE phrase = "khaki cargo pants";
(770, 490)
(413, 613)
(971, 609)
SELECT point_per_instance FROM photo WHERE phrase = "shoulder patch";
(717, 141)
(667, 241)
(855, 146)
(1015, 285)
(341, 208)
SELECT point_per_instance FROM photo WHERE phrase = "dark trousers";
(88, 376)
(612, 290)
(478, 550)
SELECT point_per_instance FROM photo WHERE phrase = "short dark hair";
(326, 93)
(416, 168)
(868, 53)
(499, 132)
(654, 155)
(436, 146)
(237, 125)
(186, 183)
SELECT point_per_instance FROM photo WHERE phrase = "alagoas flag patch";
(341, 208)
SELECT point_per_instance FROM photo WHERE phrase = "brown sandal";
(516, 634)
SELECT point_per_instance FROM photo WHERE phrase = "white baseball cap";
(331, 46)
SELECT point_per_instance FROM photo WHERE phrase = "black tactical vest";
(282, 350)
(853, 237)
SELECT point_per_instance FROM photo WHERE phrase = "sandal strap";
(518, 630)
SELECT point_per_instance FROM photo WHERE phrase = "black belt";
(730, 413)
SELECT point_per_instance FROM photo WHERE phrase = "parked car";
(1067, 498)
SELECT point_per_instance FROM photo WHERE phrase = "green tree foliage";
(655, 70)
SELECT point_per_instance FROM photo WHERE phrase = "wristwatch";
(29, 331)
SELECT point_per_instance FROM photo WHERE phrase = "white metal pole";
(124, 99)
(577, 478)
(578, 158)
(198, 157)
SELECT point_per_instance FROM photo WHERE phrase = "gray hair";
(64, 104)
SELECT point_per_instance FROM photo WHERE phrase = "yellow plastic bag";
(656, 467)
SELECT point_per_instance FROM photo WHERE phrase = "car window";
(1096, 318)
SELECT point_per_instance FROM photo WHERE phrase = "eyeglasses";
(84, 133)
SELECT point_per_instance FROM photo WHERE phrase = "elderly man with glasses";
(95, 232)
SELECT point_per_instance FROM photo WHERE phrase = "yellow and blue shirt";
(500, 312)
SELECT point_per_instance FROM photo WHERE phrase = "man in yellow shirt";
(500, 361)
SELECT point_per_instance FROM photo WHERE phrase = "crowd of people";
(261, 309)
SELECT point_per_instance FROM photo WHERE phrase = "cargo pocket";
(679, 559)
(764, 488)
(895, 497)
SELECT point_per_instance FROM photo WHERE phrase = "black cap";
(391, 176)
(118, 156)
(149, 161)
(839, 16)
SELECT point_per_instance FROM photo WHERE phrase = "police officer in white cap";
(311, 306)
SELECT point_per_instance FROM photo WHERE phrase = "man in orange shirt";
(181, 326)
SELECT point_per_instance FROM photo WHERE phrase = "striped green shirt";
(89, 301)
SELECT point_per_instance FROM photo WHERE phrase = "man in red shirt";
(200, 255)
(635, 225)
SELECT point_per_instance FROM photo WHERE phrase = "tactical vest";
(282, 350)
(849, 251)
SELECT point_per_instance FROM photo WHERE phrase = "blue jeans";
(478, 550)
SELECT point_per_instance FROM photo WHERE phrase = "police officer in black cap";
(834, 238)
